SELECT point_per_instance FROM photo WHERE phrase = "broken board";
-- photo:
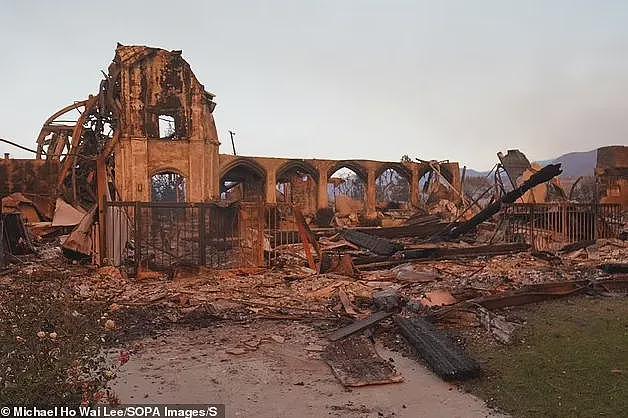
(355, 362)
(358, 325)
(380, 246)
(497, 325)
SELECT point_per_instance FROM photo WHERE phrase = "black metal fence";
(163, 236)
(2, 262)
(280, 231)
(549, 226)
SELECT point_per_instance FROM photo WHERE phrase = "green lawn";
(570, 360)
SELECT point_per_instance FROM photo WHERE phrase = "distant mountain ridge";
(574, 164)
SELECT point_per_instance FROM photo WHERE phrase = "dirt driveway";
(273, 369)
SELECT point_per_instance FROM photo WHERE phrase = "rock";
(387, 300)
(53, 335)
(314, 347)
(252, 343)
(437, 298)
(149, 275)
(110, 325)
(411, 276)
(41, 334)
(112, 273)
(235, 351)
(203, 313)
(277, 339)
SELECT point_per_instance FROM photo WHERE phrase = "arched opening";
(346, 189)
(392, 189)
(167, 186)
(243, 181)
(297, 185)
(166, 124)
(435, 185)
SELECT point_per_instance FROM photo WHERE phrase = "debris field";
(134, 210)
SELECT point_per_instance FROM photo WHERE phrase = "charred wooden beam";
(576, 246)
(614, 268)
(539, 293)
(482, 250)
(440, 353)
(17, 238)
(359, 325)
(378, 262)
(306, 237)
(422, 219)
(545, 174)
(380, 246)
(368, 259)
(421, 230)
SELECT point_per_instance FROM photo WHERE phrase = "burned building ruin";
(149, 136)
(141, 159)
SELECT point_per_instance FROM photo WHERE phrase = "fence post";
(261, 223)
(137, 235)
(563, 221)
(596, 214)
(1, 240)
(202, 256)
(533, 242)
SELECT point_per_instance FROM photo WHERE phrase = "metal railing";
(163, 236)
(549, 226)
(2, 261)
(280, 231)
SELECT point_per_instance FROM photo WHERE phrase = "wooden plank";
(305, 239)
(355, 363)
(102, 193)
(480, 250)
(497, 325)
(358, 325)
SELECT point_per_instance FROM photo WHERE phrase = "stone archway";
(346, 187)
(244, 180)
(297, 183)
(392, 184)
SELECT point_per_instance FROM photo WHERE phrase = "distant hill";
(473, 173)
(574, 164)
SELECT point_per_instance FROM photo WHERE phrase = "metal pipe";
(18, 145)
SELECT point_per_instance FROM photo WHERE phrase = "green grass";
(570, 360)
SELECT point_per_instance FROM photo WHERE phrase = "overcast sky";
(456, 80)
